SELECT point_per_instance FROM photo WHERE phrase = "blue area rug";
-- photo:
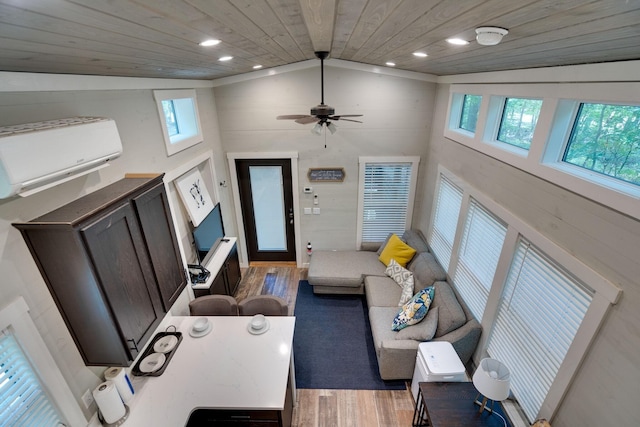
(332, 343)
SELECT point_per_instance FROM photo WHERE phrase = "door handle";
(290, 215)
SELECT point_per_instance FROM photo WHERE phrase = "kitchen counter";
(229, 368)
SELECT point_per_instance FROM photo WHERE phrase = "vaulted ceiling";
(160, 38)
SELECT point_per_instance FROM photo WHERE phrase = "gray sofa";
(361, 272)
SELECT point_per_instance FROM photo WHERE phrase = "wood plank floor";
(327, 408)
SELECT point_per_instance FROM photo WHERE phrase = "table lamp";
(491, 379)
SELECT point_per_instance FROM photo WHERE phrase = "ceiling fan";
(321, 114)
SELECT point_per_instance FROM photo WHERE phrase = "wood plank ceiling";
(159, 38)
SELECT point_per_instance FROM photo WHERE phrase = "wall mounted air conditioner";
(37, 156)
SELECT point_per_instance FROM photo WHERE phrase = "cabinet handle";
(133, 345)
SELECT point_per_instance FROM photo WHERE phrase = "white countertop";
(229, 368)
(215, 263)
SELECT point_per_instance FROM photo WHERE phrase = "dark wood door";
(117, 249)
(160, 237)
(267, 208)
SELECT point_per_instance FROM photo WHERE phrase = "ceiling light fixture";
(210, 42)
(489, 36)
(257, 67)
(225, 58)
(390, 64)
(420, 54)
(457, 41)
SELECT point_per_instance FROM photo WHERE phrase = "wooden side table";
(451, 404)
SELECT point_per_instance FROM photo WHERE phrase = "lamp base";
(483, 404)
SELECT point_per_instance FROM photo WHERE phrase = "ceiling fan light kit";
(489, 36)
(321, 114)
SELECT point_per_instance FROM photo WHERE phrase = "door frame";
(235, 189)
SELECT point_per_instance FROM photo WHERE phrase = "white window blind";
(386, 198)
(478, 256)
(23, 402)
(447, 210)
(541, 309)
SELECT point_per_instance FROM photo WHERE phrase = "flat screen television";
(209, 234)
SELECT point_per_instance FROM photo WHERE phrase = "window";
(539, 313)
(478, 257)
(387, 193)
(33, 392)
(445, 220)
(23, 402)
(469, 115)
(606, 139)
(519, 119)
(179, 118)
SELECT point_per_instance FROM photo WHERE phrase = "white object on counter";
(437, 361)
(109, 402)
(122, 382)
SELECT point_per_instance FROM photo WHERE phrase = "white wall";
(606, 386)
(138, 123)
(396, 121)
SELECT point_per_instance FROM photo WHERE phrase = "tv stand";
(224, 266)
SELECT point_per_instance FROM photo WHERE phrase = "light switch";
(315, 199)
(316, 211)
(307, 211)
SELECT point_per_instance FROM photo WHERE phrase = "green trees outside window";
(469, 116)
(606, 139)
(519, 119)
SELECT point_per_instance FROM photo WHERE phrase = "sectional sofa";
(362, 272)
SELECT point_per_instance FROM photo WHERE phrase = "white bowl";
(258, 322)
(200, 324)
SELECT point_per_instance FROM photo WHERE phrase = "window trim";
(16, 316)
(181, 140)
(606, 293)
(621, 196)
(362, 162)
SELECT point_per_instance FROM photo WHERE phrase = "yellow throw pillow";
(398, 250)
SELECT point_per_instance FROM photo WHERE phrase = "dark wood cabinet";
(226, 280)
(111, 262)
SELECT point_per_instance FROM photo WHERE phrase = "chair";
(269, 305)
(214, 305)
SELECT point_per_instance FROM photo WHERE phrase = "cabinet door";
(117, 249)
(233, 271)
(218, 286)
(158, 231)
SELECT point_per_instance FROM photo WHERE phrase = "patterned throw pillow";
(404, 279)
(413, 311)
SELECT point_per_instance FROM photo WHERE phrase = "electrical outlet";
(87, 398)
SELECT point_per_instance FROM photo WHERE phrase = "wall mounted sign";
(326, 174)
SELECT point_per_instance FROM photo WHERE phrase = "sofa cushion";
(416, 240)
(398, 250)
(382, 292)
(404, 279)
(380, 318)
(422, 331)
(450, 314)
(426, 270)
(414, 310)
(343, 268)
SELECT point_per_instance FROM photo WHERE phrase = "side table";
(451, 405)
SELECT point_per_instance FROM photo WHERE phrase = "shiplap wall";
(396, 122)
(606, 386)
(138, 123)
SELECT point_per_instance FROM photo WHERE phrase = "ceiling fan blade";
(346, 120)
(350, 120)
(346, 115)
(293, 117)
(304, 120)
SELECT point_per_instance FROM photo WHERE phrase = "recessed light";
(257, 67)
(210, 42)
(390, 64)
(458, 42)
(225, 58)
(420, 54)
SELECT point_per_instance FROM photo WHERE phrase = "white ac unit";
(36, 156)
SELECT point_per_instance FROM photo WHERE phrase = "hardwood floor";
(327, 408)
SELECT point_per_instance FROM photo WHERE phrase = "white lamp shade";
(491, 379)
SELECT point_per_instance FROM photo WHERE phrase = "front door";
(266, 199)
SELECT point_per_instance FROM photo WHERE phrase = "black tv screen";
(208, 234)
